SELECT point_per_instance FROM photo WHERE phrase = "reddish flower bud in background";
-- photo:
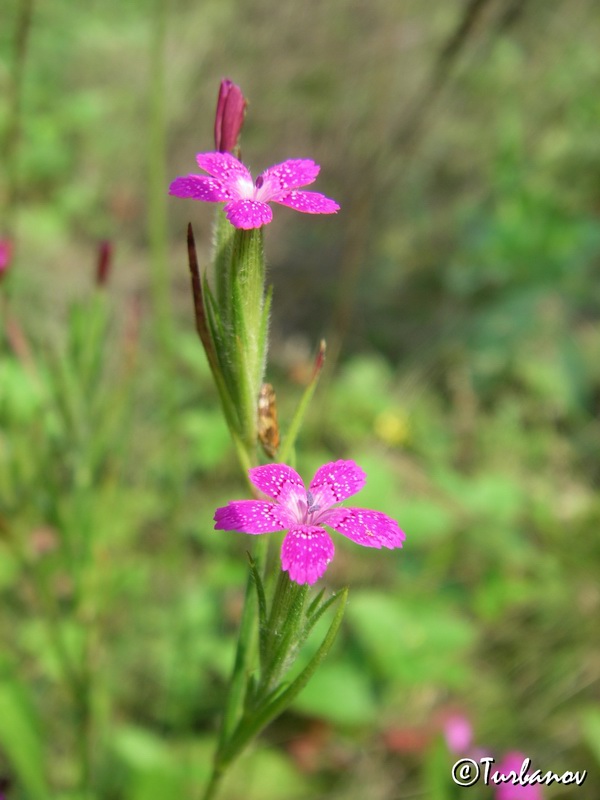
(104, 263)
(5, 256)
(5, 782)
(231, 109)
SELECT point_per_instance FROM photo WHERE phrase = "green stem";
(246, 348)
(283, 626)
(14, 110)
(252, 725)
(157, 178)
(245, 653)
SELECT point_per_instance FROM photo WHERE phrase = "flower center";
(311, 507)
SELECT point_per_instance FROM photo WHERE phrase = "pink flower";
(229, 118)
(458, 733)
(513, 762)
(5, 256)
(246, 201)
(307, 549)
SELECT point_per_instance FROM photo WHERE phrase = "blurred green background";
(459, 290)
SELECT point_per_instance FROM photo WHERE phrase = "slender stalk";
(15, 109)
(245, 653)
(157, 180)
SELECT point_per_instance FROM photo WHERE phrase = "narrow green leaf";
(292, 434)
(314, 603)
(316, 616)
(263, 340)
(262, 609)
(591, 730)
(244, 657)
(223, 246)
(20, 739)
(226, 386)
(287, 640)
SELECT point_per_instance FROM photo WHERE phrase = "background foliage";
(459, 292)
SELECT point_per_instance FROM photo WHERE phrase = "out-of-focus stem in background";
(162, 320)
(14, 113)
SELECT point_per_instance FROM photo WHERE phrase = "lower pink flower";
(308, 548)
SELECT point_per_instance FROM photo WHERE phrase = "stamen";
(310, 500)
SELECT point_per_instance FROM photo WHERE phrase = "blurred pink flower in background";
(458, 733)
(5, 256)
(513, 762)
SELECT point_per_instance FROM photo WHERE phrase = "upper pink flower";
(307, 549)
(247, 201)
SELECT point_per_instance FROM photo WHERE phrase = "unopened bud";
(229, 118)
(104, 263)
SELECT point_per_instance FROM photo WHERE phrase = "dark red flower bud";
(104, 263)
(229, 118)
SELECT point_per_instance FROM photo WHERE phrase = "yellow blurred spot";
(392, 427)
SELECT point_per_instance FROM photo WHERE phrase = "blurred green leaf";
(414, 642)
(591, 730)
(21, 739)
(153, 770)
(341, 693)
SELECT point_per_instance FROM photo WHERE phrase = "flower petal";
(224, 166)
(308, 202)
(336, 481)
(291, 174)
(200, 187)
(248, 214)
(305, 553)
(284, 485)
(366, 527)
(250, 516)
